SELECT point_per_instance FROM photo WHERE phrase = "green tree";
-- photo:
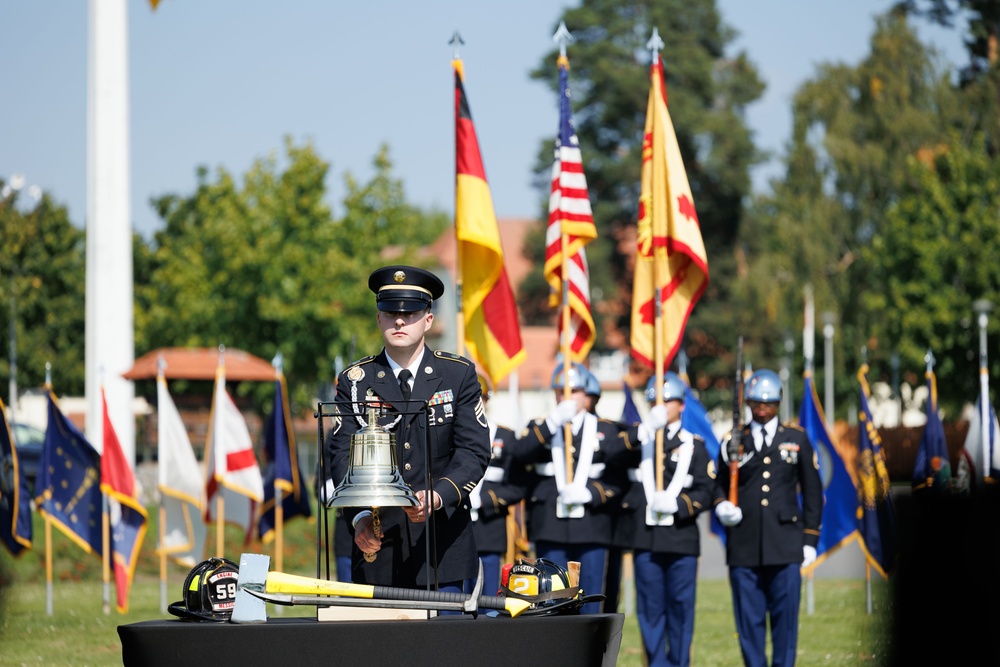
(42, 278)
(932, 257)
(265, 268)
(854, 129)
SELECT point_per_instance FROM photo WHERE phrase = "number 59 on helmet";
(209, 591)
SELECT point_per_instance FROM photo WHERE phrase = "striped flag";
(570, 217)
(492, 330)
(127, 515)
(670, 253)
(876, 520)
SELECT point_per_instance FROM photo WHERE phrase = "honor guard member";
(492, 500)
(620, 542)
(662, 522)
(769, 534)
(407, 373)
(567, 508)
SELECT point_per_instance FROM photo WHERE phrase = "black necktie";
(404, 383)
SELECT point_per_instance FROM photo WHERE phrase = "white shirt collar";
(413, 368)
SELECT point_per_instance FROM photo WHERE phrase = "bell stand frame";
(323, 533)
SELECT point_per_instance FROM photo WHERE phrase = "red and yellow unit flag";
(670, 254)
(571, 222)
(492, 330)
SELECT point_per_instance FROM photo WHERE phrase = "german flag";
(492, 331)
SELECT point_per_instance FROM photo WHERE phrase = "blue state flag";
(15, 506)
(68, 487)
(932, 471)
(283, 468)
(630, 413)
(840, 497)
(877, 523)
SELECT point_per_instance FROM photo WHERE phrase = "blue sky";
(221, 83)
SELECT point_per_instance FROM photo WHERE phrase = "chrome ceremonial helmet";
(673, 388)
(577, 377)
(764, 386)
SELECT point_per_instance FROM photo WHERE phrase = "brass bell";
(373, 478)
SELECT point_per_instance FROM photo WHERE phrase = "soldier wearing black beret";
(407, 373)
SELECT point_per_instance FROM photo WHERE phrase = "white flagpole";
(983, 307)
(808, 352)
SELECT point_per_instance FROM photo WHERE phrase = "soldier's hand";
(563, 413)
(808, 555)
(728, 513)
(654, 421)
(664, 503)
(420, 513)
(575, 495)
(364, 536)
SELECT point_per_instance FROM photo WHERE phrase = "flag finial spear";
(456, 42)
(278, 362)
(929, 360)
(161, 364)
(655, 43)
(48, 374)
(562, 38)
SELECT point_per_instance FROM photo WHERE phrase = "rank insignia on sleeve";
(481, 413)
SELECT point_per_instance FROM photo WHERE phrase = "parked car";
(29, 441)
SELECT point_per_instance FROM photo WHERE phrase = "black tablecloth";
(463, 641)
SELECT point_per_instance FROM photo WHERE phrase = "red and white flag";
(233, 470)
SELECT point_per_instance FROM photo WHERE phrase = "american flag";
(570, 217)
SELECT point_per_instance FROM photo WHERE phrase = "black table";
(462, 641)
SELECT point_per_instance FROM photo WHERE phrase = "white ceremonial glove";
(664, 503)
(657, 418)
(475, 501)
(728, 513)
(574, 495)
(563, 413)
(808, 556)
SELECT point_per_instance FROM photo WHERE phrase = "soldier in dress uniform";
(620, 538)
(568, 513)
(769, 535)
(661, 522)
(407, 373)
(492, 500)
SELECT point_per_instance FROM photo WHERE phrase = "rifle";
(734, 449)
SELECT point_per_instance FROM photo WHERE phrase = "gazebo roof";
(200, 363)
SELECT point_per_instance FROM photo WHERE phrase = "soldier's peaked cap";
(404, 289)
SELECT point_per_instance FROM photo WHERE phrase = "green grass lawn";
(839, 632)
